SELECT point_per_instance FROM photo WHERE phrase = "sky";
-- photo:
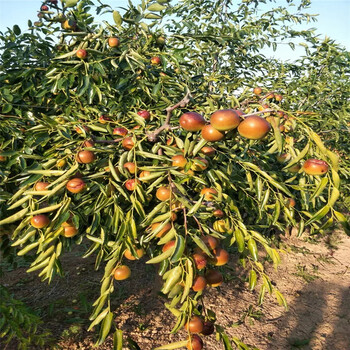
(333, 20)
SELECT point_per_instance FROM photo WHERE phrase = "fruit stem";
(152, 137)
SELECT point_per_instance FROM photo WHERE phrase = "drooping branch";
(152, 136)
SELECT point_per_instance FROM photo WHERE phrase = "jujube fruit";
(128, 143)
(218, 213)
(85, 157)
(199, 283)
(143, 174)
(168, 245)
(195, 325)
(315, 167)
(208, 151)
(130, 166)
(257, 90)
(221, 257)
(254, 127)
(113, 42)
(208, 193)
(122, 273)
(69, 24)
(214, 278)
(131, 184)
(89, 143)
(163, 193)
(156, 61)
(120, 131)
(75, 185)
(144, 114)
(139, 253)
(290, 202)
(176, 206)
(192, 121)
(225, 119)
(179, 161)
(208, 328)
(294, 168)
(282, 158)
(199, 260)
(41, 186)
(40, 221)
(189, 172)
(195, 343)
(209, 133)
(69, 231)
(201, 165)
(103, 119)
(279, 97)
(81, 53)
(211, 242)
(167, 227)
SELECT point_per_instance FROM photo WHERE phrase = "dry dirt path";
(314, 278)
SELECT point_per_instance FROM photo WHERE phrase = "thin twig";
(199, 225)
(185, 221)
(264, 97)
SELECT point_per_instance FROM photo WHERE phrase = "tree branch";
(152, 137)
(259, 112)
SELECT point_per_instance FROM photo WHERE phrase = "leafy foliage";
(18, 323)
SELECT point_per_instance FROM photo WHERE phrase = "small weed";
(298, 343)
(72, 330)
(303, 272)
(301, 250)
(142, 326)
(326, 259)
(333, 241)
(249, 315)
(139, 310)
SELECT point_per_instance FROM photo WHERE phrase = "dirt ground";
(313, 277)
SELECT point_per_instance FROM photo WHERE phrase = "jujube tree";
(120, 135)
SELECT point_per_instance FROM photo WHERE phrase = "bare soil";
(313, 277)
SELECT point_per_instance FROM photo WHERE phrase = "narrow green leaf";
(252, 279)
(253, 250)
(299, 157)
(188, 281)
(156, 7)
(157, 259)
(117, 18)
(14, 217)
(280, 299)
(319, 215)
(118, 340)
(179, 249)
(323, 183)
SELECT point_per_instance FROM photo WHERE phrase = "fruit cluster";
(252, 127)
